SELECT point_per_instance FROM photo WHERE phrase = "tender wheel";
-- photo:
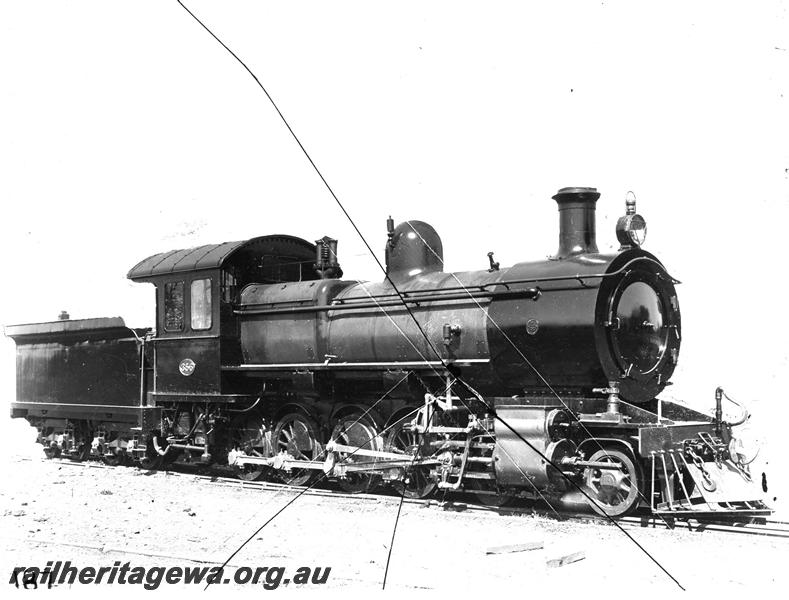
(52, 451)
(150, 463)
(49, 445)
(152, 460)
(83, 440)
(355, 430)
(615, 491)
(112, 460)
(297, 435)
(418, 483)
(250, 436)
(82, 452)
(112, 455)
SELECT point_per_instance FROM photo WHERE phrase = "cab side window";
(201, 304)
(174, 306)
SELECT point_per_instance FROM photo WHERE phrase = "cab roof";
(214, 256)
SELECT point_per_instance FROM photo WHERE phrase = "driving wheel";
(416, 482)
(297, 435)
(359, 432)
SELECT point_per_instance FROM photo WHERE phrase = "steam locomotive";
(536, 381)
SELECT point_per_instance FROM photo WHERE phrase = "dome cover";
(414, 248)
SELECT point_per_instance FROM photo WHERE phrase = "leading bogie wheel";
(487, 494)
(615, 492)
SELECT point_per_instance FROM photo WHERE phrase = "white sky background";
(125, 130)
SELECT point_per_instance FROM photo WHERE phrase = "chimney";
(576, 221)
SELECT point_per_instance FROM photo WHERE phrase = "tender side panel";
(77, 364)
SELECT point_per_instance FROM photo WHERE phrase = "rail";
(458, 503)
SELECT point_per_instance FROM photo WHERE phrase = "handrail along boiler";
(265, 359)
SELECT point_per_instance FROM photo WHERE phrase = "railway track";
(458, 502)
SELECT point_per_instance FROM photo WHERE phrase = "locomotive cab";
(196, 290)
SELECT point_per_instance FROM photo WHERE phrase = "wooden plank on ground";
(566, 560)
(514, 548)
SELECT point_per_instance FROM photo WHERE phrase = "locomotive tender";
(263, 358)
